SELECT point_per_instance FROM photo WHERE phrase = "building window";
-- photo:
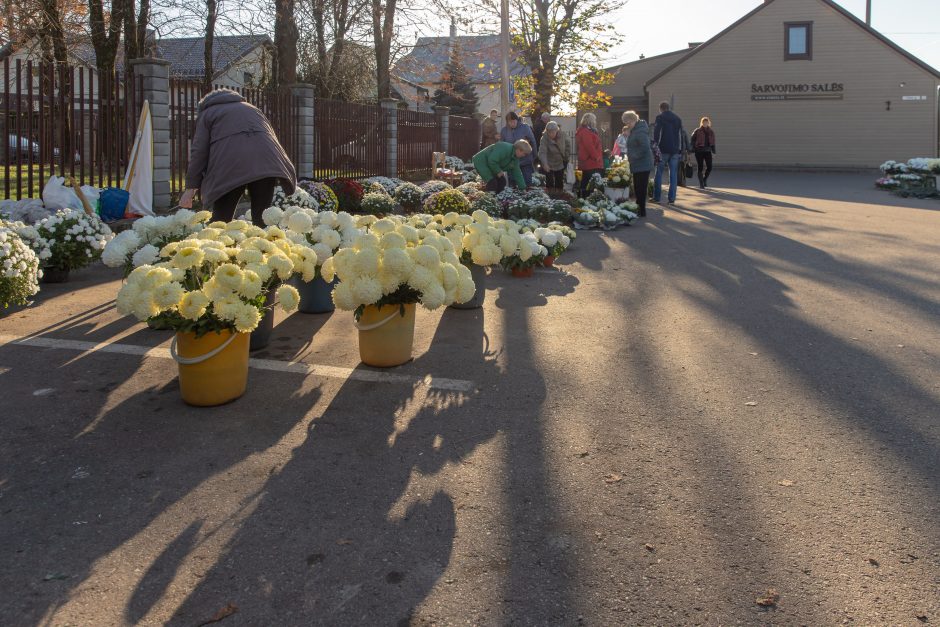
(798, 41)
(248, 78)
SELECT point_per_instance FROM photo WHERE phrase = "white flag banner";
(138, 180)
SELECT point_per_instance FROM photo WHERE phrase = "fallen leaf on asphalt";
(55, 576)
(222, 614)
(873, 561)
(754, 354)
(769, 599)
(583, 454)
(649, 547)
(751, 404)
(922, 618)
(785, 483)
(613, 478)
(344, 541)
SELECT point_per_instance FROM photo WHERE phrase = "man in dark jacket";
(668, 135)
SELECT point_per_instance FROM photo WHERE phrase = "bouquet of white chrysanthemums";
(480, 239)
(529, 251)
(19, 268)
(393, 264)
(67, 240)
(141, 244)
(325, 232)
(216, 280)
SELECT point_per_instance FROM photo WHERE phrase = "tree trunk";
(285, 42)
(383, 22)
(208, 66)
(544, 88)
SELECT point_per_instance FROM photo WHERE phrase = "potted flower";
(67, 240)
(488, 203)
(378, 204)
(384, 274)
(528, 254)
(617, 186)
(19, 268)
(325, 232)
(300, 198)
(447, 201)
(212, 289)
(348, 192)
(554, 242)
(481, 243)
(409, 196)
(141, 244)
(320, 192)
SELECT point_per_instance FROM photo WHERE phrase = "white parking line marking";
(319, 370)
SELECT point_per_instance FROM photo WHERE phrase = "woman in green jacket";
(494, 162)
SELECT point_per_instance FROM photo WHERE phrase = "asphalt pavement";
(727, 414)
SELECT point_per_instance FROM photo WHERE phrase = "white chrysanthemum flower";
(433, 296)
(327, 271)
(246, 317)
(343, 297)
(193, 305)
(300, 222)
(288, 297)
(146, 255)
(427, 256)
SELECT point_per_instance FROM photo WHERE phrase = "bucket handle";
(191, 361)
(372, 327)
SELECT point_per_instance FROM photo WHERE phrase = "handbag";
(687, 167)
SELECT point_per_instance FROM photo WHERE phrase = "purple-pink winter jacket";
(234, 144)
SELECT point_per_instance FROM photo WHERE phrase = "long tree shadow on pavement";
(705, 260)
(100, 466)
(361, 524)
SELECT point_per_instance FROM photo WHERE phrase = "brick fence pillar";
(303, 95)
(156, 79)
(390, 124)
(443, 122)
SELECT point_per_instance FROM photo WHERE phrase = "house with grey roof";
(238, 60)
(418, 74)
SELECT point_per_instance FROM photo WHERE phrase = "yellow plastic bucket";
(213, 368)
(385, 336)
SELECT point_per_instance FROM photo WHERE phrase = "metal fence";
(279, 106)
(466, 134)
(419, 135)
(65, 121)
(348, 140)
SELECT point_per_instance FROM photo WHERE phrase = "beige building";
(797, 83)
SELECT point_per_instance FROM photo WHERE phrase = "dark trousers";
(261, 192)
(555, 179)
(641, 182)
(704, 160)
(586, 176)
(496, 184)
(527, 172)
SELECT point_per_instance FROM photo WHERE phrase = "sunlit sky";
(653, 27)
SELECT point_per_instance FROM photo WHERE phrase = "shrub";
(377, 204)
(446, 201)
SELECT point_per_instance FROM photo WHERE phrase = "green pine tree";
(456, 90)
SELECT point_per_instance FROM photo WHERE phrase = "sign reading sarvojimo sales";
(797, 91)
